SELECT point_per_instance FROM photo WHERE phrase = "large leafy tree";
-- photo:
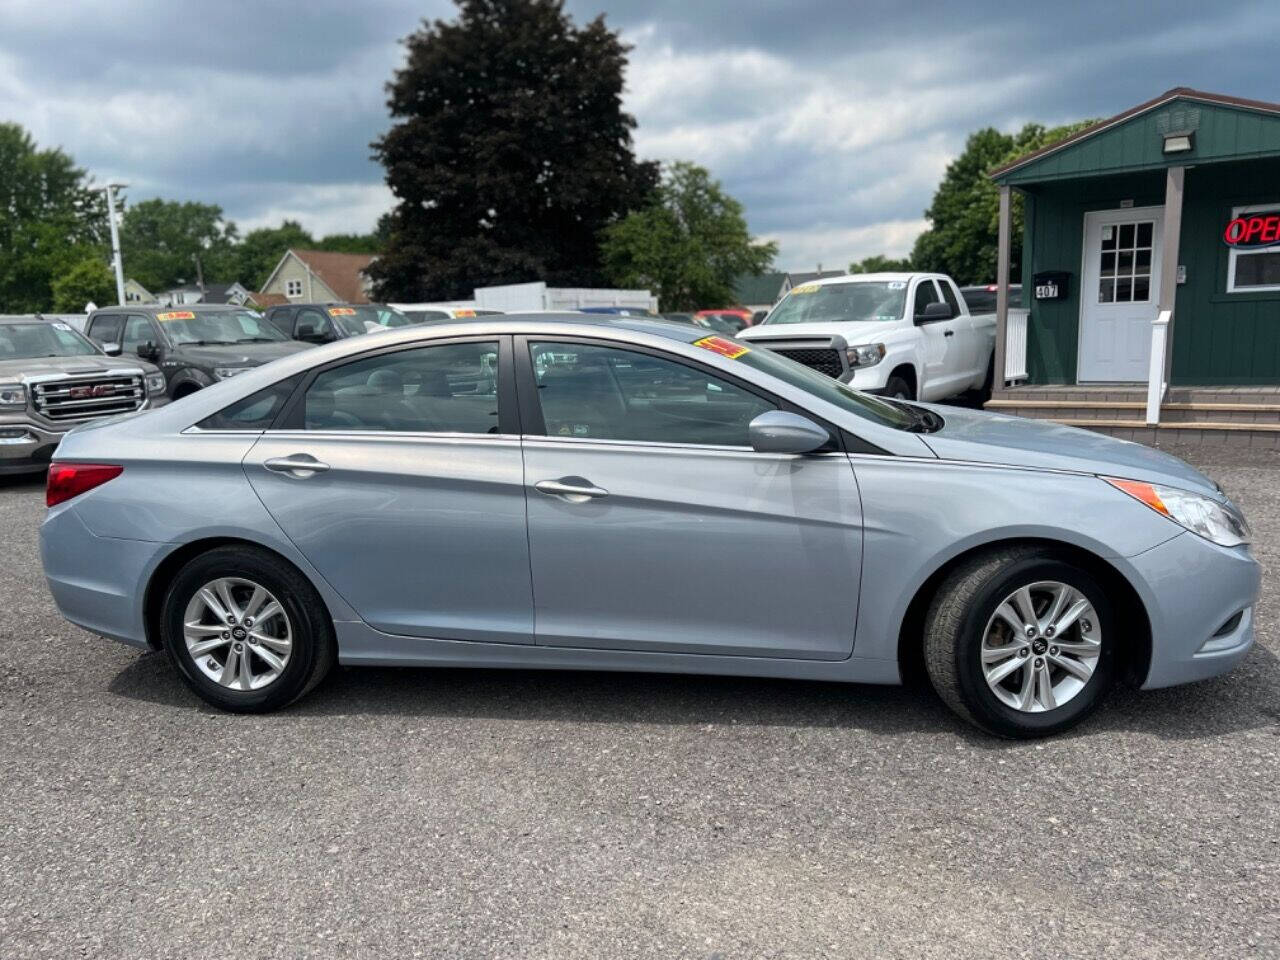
(687, 246)
(161, 239)
(965, 213)
(50, 220)
(89, 281)
(879, 263)
(508, 153)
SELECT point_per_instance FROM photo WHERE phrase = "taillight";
(67, 480)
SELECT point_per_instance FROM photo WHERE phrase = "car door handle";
(572, 489)
(948, 333)
(300, 466)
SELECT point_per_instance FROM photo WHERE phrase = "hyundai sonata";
(542, 492)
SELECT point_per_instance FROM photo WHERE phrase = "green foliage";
(879, 263)
(260, 250)
(160, 239)
(508, 153)
(350, 243)
(688, 246)
(88, 281)
(965, 213)
(49, 220)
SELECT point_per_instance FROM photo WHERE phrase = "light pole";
(110, 188)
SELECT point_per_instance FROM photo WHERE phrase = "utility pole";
(110, 188)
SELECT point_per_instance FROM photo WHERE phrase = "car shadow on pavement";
(1247, 699)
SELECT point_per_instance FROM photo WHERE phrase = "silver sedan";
(542, 492)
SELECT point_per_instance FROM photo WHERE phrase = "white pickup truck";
(904, 335)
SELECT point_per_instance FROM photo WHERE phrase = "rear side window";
(106, 329)
(256, 411)
(280, 319)
(449, 388)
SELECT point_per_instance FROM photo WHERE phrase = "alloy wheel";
(1041, 646)
(237, 633)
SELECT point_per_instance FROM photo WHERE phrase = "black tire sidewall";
(987, 709)
(250, 565)
(896, 384)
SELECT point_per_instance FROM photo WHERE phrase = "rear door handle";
(572, 489)
(948, 333)
(300, 466)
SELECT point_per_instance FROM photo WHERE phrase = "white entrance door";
(1119, 292)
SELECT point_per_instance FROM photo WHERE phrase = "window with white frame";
(1254, 268)
(293, 289)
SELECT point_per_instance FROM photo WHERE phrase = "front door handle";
(300, 466)
(572, 489)
(948, 333)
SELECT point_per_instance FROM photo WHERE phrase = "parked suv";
(52, 378)
(194, 345)
(326, 322)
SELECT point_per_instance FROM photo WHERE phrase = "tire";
(962, 623)
(299, 636)
(898, 389)
(988, 384)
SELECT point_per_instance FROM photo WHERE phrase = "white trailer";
(519, 297)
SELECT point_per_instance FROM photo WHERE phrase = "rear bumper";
(1193, 590)
(97, 582)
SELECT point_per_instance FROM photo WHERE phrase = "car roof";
(612, 321)
(900, 276)
(159, 308)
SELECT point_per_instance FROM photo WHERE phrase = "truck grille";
(88, 397)
(823, 360)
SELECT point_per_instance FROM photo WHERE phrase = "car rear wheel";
(1020, 642)
(245, 632)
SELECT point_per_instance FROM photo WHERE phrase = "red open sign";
(1253, 230)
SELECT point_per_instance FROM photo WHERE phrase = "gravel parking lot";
(547, 815)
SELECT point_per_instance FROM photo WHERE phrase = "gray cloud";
(830, 120)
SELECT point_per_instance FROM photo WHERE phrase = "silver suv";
(52, 378)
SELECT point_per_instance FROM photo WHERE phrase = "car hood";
(853, 331)
(70, 366)
(985, 437)
(239, 354)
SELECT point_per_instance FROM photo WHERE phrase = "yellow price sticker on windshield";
(175, 315)
(341, 312)
(463, 313)
(807, 288)
(726, 348)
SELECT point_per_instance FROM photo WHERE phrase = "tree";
(260, 250)
(50, 219)
(89, 281)
(350, 243)
(688, 246)
(508, 153)
(879, 263)
(965, 213)
(160, 239)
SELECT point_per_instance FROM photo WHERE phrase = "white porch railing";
(1015, 346)
(1156, 383)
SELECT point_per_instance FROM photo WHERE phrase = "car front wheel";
(246, 632)
(1020, 642)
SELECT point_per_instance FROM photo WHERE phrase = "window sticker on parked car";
(341, 312)
(896, 285)
(726, 348)
(807, 288)
(463, 313)
(175, 315)
(62, 326)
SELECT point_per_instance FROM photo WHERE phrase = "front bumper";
(1193, 590)
(25, 446)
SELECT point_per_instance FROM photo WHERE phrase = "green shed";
(1151, 250)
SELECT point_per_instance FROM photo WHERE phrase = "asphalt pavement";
(461, 814)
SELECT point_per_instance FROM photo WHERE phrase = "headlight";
(225, 373)
(155, 383)
(13, 395)
(867, 355)
(1201, 515)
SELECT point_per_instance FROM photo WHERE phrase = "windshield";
(28, 341)
(426, 316)
(217, 327)
(824, 388)
(882, 300)
(367, 318)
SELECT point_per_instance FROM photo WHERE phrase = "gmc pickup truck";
(903, 335)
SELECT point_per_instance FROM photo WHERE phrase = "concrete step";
(1171, 412)
(1263, 436)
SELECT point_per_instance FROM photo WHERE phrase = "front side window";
(221, 327)
(1256, 266)
(603, 393)
(314, 325)
(926, 293)
(449, 388)
(880, 300)
(137, 331)
(31, 341)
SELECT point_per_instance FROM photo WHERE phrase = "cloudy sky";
(831, 120)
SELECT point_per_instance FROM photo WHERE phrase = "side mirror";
(934, 312)
(110, 349)
(148, 351)
(778, 431)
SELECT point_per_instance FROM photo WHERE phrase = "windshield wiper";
(208, 343)
(256, 340)
(922, 420)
